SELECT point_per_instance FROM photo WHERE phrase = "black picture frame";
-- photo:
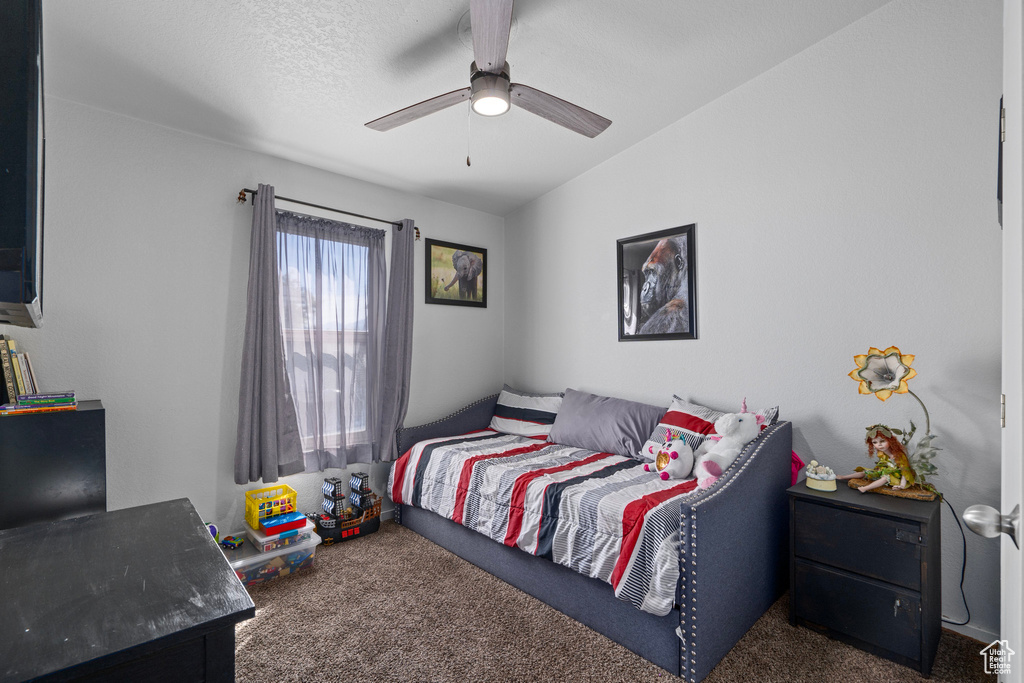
(643, 262)
(441, 274)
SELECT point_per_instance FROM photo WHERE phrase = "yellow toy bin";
(267, 502)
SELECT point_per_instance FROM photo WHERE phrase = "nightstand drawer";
(878, 547)
(879, 615)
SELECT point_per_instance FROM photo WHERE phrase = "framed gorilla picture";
(657, 285)
(456, 274)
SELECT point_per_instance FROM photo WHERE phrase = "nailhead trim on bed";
(693, 598)
(446, 417)
(684, 577)
(459, 411)
(688, 551)
(724, 483)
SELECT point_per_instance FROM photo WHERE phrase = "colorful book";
(23, 410)
(18, 406)
(8, 370)
(44, 401)
(46, 395)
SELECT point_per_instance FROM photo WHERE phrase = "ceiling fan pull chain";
(469, 131)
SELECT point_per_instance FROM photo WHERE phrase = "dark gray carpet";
(395, 607)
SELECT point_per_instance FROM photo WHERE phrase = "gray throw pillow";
(603, 423)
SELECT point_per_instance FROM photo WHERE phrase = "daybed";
(731, 557)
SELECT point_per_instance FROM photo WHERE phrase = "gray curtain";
(268, 444)
(397, 360)
(332, 314)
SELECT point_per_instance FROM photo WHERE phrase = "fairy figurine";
(892, 466)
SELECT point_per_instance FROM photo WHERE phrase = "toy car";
(232, 542)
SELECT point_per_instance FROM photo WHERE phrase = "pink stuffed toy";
(674, 460)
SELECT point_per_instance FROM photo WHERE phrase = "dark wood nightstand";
(865, 568)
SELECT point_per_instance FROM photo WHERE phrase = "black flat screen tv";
(22, 155)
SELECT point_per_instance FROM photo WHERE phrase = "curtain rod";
(241, 200)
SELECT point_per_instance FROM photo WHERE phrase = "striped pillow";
(693, 423)
(525, 414)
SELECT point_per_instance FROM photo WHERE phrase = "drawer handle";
(909, 537)
(895, 608)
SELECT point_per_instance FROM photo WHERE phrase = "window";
(331, 295)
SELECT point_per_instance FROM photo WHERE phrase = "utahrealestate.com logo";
(997, 657)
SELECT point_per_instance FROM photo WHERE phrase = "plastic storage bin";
(254, 567)
(269, 501)
(265, 542)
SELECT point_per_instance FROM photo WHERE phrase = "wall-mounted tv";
(21, 162)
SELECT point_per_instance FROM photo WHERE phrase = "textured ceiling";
(299, 78)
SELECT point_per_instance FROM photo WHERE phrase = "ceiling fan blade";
(558, 110)
(490, 22)
(419, 110)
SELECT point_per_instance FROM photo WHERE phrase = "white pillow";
(525, 414)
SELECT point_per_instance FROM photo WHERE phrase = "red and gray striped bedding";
(596, 513)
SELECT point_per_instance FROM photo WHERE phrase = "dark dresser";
(136, 595)
(865, 568)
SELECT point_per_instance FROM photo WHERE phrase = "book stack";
(40, 403)
(20, 390)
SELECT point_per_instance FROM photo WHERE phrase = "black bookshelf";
(52, 465)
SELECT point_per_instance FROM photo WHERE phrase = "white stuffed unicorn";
(714, 457)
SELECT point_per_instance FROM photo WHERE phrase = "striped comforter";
(596, 513)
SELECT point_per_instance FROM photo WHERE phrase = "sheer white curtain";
(332, 304)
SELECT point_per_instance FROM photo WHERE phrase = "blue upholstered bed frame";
(733, 556)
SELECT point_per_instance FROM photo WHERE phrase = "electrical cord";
(963, 567)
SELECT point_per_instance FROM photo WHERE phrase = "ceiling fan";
(490, 88)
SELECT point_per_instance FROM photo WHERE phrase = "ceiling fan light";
(490, 93)
(490, 105)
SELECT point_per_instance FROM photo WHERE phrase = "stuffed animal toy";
(674, 460)
(735, 430)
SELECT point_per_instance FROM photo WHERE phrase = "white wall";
(844, 199)
(146, 265)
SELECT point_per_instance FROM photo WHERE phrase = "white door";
(1011, 575)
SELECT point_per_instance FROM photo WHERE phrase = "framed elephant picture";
(657, 285)
(456, 274)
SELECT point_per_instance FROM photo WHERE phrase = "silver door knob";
(986, 521)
